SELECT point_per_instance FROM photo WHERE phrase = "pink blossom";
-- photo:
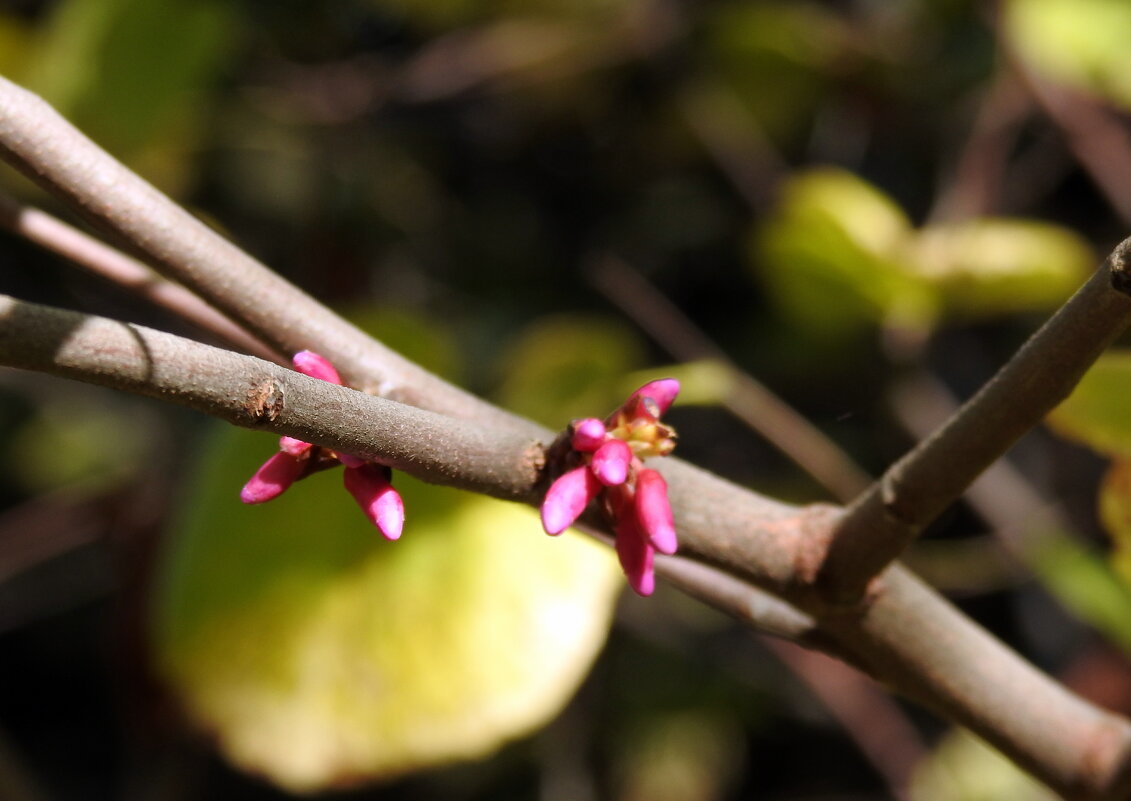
(634, 551)
(662, 391)
(567, 498)
(310, 363)
(588, 434)
(295, 447)
(654, 512)
(273, 478)
(611, 455)
(611, 462)
(369, 485)
(368, 482)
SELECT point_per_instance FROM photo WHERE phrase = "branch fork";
(819, 575)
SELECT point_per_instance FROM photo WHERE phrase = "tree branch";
(877, 527)
(908, 636)
(53, 153)
(99, 258)
(747, 398)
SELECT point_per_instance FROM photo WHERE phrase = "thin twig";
(878, 526)
(908, 636)
(872, 719)
(53, 234)
(976, 184)
(49, 150)
(746, 398)
(1097, 140)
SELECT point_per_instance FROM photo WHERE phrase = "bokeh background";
(865, 206)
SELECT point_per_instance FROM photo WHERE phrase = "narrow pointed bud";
(370, 487)
(611, 461)
(588, 435)
(310, 363)
(654, 511)
(295, 447)
(349, 460)
(634, 552)
(662, 391)
(567, 498)
(272, 479)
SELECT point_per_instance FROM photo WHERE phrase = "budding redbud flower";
(567, 498)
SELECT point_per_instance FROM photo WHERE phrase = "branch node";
(1119, 267)
(265, 401)
(814, 528)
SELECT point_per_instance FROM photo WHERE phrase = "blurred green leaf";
(319, 654)
(989, 267)
(679, 756)
(75, 442)
(1081, 579)
(568, 366)
(963, 768)
(839, 255)
(774, 55)
(15, 44)
(1096, 411)
(831, 256)
(1115, 514)
(1083, 42)
(419, 338)
(130, 72)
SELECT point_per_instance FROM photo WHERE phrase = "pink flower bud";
(662, 391)
(349, 460)
(310, 363)
(588, 434)
(295, 447)
(654, 512)
(635, 553)
(610, 462)
(567, 498)
(370, 487)
(272, 479)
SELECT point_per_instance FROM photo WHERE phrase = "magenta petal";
(350, 461)
(662, 391)
(295, 447)
(272, 479)
(610, 462)
(636, 555)
(588, 435)
(567, 498)
(370, 487)
(310, 363)
(654, 512)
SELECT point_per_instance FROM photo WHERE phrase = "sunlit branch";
(877, 527)
(906, 635)
(50, 151)
(747, 398)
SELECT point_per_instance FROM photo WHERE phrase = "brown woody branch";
(906, 635)
(878, 526)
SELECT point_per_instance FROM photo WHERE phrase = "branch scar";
(265, 401)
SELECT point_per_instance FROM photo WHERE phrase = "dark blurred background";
(830, 193)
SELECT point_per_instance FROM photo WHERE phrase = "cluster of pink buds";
(368, 482)
(609, 457)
